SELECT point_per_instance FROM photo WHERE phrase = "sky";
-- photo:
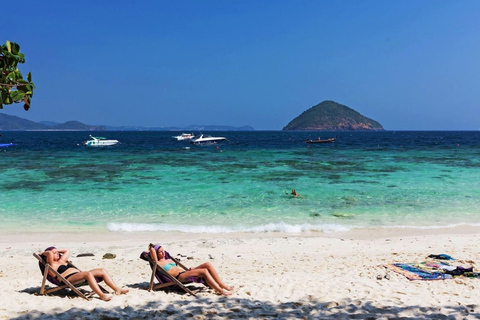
(410, 65)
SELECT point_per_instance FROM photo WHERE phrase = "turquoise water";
(150, 182)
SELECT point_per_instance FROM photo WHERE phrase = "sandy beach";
(284, 276)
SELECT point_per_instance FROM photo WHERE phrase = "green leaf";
(15, 48)
(9, 46)
(21, 58)
(17, 95)
(9, 55)
(29, 77)
(11, 76)
(27, 89)
(22, 88)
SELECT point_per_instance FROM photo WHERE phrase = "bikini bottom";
(71, 274)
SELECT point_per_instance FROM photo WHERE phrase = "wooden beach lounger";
(164, 278)
(59, 281)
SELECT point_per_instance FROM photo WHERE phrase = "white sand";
(309, 276)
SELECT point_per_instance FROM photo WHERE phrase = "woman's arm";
(49, 256)
(153, 253)
(65, 255)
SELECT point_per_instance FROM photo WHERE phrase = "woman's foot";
(229, 288)
(106, 297)
(121, 291)
(225, 293)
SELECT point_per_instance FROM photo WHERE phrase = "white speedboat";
(99, 142)
(184, 136)
(205, 140)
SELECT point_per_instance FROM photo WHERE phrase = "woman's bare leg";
(92, 282)
(102, 273)
(213, 272)
(208, 277)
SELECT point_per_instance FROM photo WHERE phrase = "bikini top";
(169, 266)
(62, 268)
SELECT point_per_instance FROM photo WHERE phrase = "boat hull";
(102, 143)
(5, 145)
(207, 140)
(184, 136)
(99, 142)
(206, 143)
(321, 141)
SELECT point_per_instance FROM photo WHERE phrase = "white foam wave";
(447, 226)
(270, 227)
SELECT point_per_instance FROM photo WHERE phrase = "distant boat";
(207, 140)
(99, 142)
(329, 140)
(184, 136)
(4, 145)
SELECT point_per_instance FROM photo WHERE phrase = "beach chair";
(166, 280)
(59, 281)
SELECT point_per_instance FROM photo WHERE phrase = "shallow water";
(151, 182)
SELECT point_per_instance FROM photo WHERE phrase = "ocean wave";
(446, 226)
(270, 227)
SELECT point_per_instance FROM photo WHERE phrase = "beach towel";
(431, 271)
(413, 271)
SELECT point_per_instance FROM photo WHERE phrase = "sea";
(150, 182)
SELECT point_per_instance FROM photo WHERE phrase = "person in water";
(294, 193)
(58, 259)
(205, 270)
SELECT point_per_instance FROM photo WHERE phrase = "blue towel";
(441, 256)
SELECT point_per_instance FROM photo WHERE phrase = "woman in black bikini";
(58, 259)
(205, 270)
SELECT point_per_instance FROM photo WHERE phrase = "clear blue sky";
(411, 65)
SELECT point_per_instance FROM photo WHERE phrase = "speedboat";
(206, 140)
(5, 145)
(99, 142)
(329, 140)
(184, 136)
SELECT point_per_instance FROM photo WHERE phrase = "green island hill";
(332, 116)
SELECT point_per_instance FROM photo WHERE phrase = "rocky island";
(330, 115)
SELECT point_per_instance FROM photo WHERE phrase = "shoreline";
(353, 234)
(311, 276)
